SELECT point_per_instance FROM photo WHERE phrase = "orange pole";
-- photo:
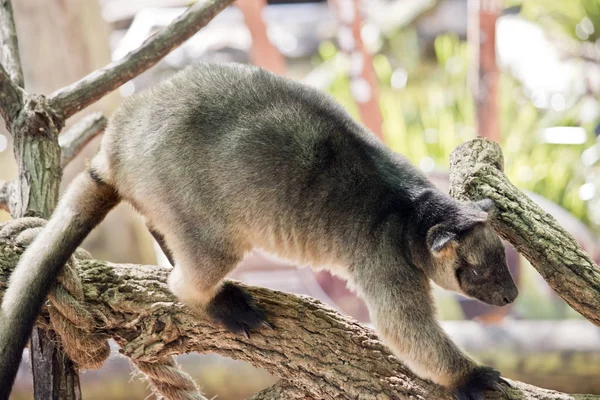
(263, 53)
(484, 74)
(364, 83)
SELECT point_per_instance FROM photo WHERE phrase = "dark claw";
(246, 333)
(235, 309)
(504, 382)
(268, 325)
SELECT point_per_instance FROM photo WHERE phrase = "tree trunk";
(59, 43)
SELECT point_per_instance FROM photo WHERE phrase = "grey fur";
(222, 158)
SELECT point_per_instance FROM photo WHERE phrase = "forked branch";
(69, 100)
(11, 98)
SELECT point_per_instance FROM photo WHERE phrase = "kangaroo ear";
(441, 241)
(474, 214)
(485, 205)
(470, 221)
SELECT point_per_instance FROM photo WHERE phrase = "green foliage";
(434, 112)
(579, 19)
(431, 114)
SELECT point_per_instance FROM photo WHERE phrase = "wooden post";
(364, 85)
(484, 74)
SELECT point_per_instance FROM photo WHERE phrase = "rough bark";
(37, 154)
(11, 98)
(56, 377)
(281, 390)
(36, 190)
(319, 353)
(9, 45)
(475, 173)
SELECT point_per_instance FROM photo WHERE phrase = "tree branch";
(74, 140)
(7, 196)
(9, 44)
(281, 390)
(4, 195)
(476, 172)
(11, 99)
(321, 353)
(68, 100)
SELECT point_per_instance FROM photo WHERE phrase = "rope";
(75, 324)
(68, 315)
(168, 380)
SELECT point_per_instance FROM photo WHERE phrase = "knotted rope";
(75, 324)
(168, 380)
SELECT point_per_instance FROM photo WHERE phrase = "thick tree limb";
(11, 98)
(68, 100)
(476, 172)
(74, 140)
(35, 192)
(38, 157)
(281, 390)
(9, 45)
(11, 73)
(322, 354)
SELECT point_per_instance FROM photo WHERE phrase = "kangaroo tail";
(85, 204)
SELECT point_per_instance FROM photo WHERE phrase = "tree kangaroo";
(222, 158)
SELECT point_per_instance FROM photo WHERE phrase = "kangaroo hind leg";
(197, 280)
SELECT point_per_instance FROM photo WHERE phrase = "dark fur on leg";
(235, 309)
(162, 243)
(480, 380)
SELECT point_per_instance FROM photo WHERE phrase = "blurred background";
(424, 76)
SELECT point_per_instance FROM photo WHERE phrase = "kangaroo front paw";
(235, 309)
(480, 380)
